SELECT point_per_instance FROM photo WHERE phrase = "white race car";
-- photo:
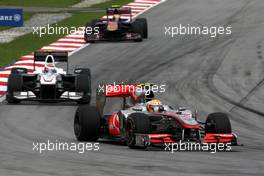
(49, 83)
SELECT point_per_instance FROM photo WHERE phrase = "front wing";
(127, 37)
(30, 96)
(161, 139)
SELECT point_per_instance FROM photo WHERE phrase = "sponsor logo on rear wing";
(120, 90)
(117, 90)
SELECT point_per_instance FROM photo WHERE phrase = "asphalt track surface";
(198, 71)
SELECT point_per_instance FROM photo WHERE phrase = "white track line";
(58, 48)
(70, 40)
(2, 98)
(3, 88)
(4, 72)
(3, 80)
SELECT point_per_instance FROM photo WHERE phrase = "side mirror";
(127, 106)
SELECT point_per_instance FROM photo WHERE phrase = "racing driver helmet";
(154, 106)
(49, 64)
(116, 15)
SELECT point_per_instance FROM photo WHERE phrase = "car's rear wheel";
(218, 123)
(136, 123)
(87, 123)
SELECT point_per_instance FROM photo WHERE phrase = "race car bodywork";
(138, 127)
(49, 83)
(117, 28)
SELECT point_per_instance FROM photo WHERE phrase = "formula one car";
(143, 121)
(117, 28)
(49, 83)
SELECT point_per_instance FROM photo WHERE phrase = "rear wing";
(118, 10)
(119, 90)
(59, 56)
(123, 90)
(116, 90)
(135, 91)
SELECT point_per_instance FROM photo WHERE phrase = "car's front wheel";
(136, 123)
(83, 84)
(87, 123)
(14, 84)
(218, 123)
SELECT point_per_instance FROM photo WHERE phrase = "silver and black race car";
(143, 121)
(49, 83)
(117, 28)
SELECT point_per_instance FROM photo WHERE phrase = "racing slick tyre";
(87, 123)
(14, 84)
(136, 123)
(218, 123)
(144, 25)
(137, 28)
(83, 84)
(82, 71)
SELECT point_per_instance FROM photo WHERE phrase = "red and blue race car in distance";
(143, 120)
(117, 25)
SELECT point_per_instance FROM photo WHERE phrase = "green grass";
(46, 3)
(26, 44)
(26, 16)
(112, 2)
